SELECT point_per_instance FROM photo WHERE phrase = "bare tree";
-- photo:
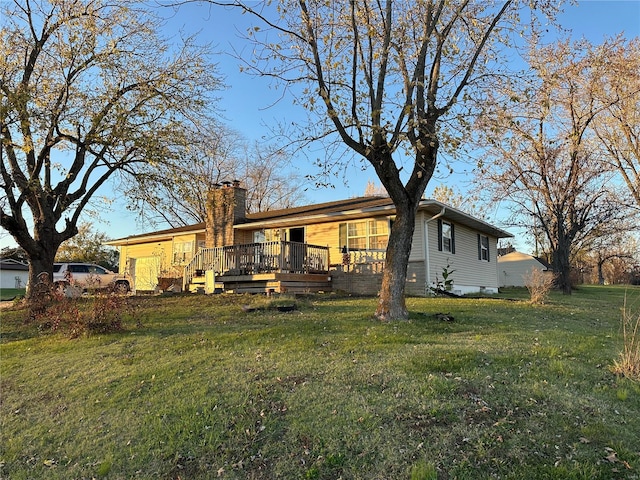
(452, 196)
(541, 154)
(88, 89)
(618, 128)
(374, 190)
(270, 180)
(176, 193)
(388, 80)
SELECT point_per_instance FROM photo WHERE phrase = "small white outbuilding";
(514, 267)
(13, 274)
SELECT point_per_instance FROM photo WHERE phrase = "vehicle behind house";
(88, 276)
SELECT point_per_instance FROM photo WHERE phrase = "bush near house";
(203, 389)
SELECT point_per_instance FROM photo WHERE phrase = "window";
(182, 252)
(96, 270)
(357, 235)
(446, 237)
(266, 235)
(365, 234)
(78, 268)
(378, 234)
(483, 247)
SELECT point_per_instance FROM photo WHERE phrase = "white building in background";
(13, 274)
(514, 267)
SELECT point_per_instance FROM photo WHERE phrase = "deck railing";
(262, 257)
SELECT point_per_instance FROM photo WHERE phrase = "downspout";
(426, 242)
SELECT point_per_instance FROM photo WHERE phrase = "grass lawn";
(11, 293)
(204, 389)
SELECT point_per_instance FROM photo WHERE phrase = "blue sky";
(250, 104)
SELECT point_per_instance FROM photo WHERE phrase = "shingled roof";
(281, 214)
(351, 208)
(359, 203)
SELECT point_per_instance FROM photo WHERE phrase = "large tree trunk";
(562, 267)
(38, 267)
(406, 198)
(391, 303)
(600, 272)
(40, 250)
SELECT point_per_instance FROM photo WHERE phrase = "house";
(13, 274)
(515, 267)
(337, 245)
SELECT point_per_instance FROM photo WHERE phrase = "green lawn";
(11, 293)
(203, 389)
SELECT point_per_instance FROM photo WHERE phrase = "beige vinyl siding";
(416, 281)
(417, 245)
(469, 271)
(242, 236)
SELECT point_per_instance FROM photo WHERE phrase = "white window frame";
(447, 237)
(370, 235)
(182, 252)
(484, 249)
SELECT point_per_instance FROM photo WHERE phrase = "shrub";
(72, 315)
(539, 284)
(628, 364)
(447, 282)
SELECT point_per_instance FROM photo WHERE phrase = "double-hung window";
(370, 234)
(483, 247)
(446, 236)
(182, 252)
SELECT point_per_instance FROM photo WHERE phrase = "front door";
(296, 235)
(294, 252)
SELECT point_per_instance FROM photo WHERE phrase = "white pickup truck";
(89, 276)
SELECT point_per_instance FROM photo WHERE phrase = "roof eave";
(389, 209)
(148, 238)
(316, 218)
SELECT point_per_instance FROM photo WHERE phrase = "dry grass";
(539, 284)
(628, 364)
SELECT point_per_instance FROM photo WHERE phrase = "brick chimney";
(226, 206)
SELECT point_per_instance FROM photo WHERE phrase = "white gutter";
(426, 241)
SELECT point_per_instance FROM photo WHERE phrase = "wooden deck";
(267, 283)
(276, 267)
(276, 283)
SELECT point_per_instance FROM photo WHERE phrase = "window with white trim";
(446, 237)
(182, 252)
(371, 234)
(483, 247)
